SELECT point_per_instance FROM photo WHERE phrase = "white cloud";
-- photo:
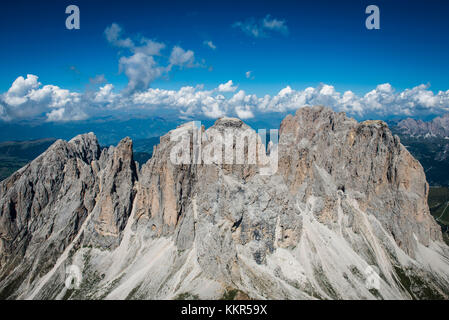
(244, 112)
(141, 70)
(17, 93)
(227, 87)
(248, 75)
(275, 24)
(146, 46)
(210, 44)
(27, 98)
(150, 47)
(188, 101)
(380, 102)
(212, 108)
(141, 67)
(105, 94)
(56, 115)
(52, 95)
(262, 28)
(3, 115)
(182, 58)
(327, 90)
(285, 92)
(113, 35)
(250, 27)
(64, 114)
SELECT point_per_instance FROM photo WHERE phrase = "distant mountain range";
(429, 143)
(108, 130)
(438, 127)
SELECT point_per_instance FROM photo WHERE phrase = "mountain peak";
(86, 145)
(227, 122)
(346, 198)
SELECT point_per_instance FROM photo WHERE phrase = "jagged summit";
(347, 198)
(87, 146)
(229, 122)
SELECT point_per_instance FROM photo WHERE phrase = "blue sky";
(318, 42)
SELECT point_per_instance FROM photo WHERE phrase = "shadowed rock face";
(347, 196)
(45, 204)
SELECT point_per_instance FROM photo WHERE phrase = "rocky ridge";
(346, 197)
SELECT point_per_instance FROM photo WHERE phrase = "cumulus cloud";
(140, 66)
(149, 47)
(227, 87)
(141, 70)
(188, 101)
(65, 114)
(17, 93)
(244, 112)
(248, 75)
(3, 114)
(27, 98)
(182, 58)
(113, 34)
(261, 28)
(105, 94)
(382, 102)
(210, 44)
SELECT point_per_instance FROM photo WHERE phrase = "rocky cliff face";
(347, 199)
(365, 162)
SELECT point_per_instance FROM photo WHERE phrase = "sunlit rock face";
(344, 216)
